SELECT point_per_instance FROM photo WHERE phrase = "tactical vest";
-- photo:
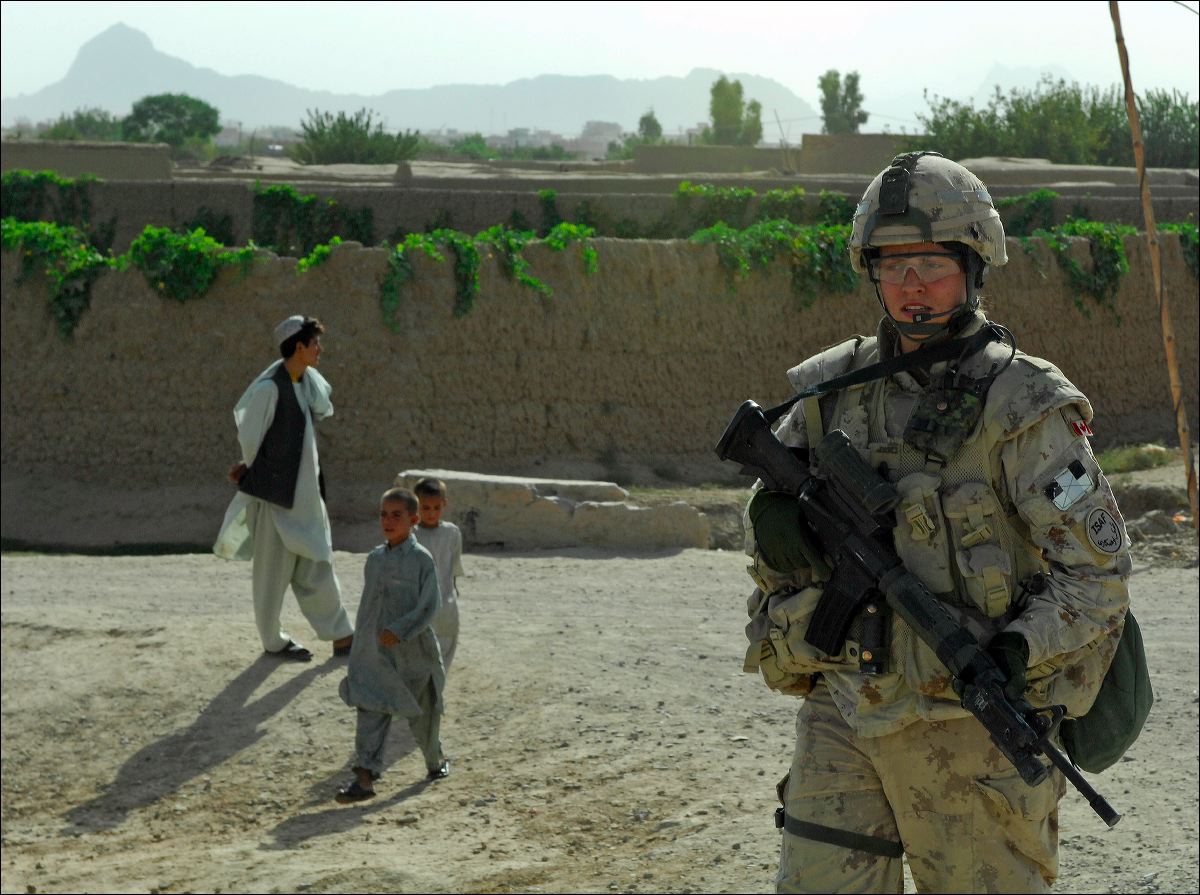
(276, 467)
(954, 531)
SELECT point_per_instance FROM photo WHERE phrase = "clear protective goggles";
(928, 266)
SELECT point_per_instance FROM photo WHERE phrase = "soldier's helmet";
(923, 197)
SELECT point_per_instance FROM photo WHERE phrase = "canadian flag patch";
(1079, 427)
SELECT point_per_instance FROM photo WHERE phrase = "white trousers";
(315, 585)
(445, 626)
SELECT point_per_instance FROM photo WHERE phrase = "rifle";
(847, 506)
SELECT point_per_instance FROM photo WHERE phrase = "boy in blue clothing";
(443, 540)
(395, 664)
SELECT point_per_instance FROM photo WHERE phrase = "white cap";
(288, 328)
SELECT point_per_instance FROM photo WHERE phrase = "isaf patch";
(1069, 486)
(1104, 531)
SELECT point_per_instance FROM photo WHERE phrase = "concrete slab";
(530, 513)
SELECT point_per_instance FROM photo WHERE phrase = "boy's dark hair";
(430, 487)
(309, 330)
(401, 495)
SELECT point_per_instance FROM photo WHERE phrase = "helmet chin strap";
(927, 326)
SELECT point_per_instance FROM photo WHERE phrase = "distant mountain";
(121, 65)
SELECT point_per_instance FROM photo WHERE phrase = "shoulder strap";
(922, 357)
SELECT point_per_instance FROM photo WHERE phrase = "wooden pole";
(1160, 288)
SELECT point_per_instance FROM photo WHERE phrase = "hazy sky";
(948, 48)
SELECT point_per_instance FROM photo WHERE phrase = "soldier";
(1005, 516)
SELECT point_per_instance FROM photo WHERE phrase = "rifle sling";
(875, 845)
(922, 357)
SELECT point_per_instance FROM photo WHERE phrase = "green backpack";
(1097, 740)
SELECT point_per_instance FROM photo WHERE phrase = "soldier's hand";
(236, 471)
(780, 531)
(387, 638)
(1010, 651)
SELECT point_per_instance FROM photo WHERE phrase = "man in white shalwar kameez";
(278, 517)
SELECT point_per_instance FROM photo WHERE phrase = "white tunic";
(304, 529)
(444, 542)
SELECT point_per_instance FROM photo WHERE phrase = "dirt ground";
(602, 737)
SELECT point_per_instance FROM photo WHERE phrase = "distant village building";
(524, 137)
(444, 136)
(593, 142)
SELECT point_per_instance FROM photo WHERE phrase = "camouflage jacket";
(1015, 529)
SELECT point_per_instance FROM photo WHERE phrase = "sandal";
(293, 651)
(441, 772)
(353, 793)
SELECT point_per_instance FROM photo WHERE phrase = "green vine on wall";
(46, 196)
(787, 205)
(63, 255)
(508, 245)
(821, 262)
(318, 256)
(704, 204)
(466, 267)
(566, 233)
(551, 217)
(818, 255)
(834, 209)
(288, 223)
(217, 225)
(1109, 261)
(1189, 236)
(1037, 212)
(35, 195)
(400, 272)
(182, 266)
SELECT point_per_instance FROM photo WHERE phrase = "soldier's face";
(912, 295)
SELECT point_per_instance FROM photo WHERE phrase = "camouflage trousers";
(967, 821)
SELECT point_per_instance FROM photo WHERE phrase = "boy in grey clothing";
(395, 664)
(444, 542)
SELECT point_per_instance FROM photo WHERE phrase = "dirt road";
(602, 737)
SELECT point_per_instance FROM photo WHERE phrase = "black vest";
(272, 476)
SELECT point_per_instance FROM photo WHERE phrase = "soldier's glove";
(1010, 651)
(781, 532)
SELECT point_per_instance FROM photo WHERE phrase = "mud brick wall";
(123, 433)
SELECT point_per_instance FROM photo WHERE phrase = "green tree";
(171, 118)
(83, 124)
(1170, 129)
(752, 129)
(649, 130)
(725, 110)
(472, 146)
(841, 103)
(356, 139)
(734, 122)
(1067, 124)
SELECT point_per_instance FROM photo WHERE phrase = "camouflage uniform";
(1018, 499)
